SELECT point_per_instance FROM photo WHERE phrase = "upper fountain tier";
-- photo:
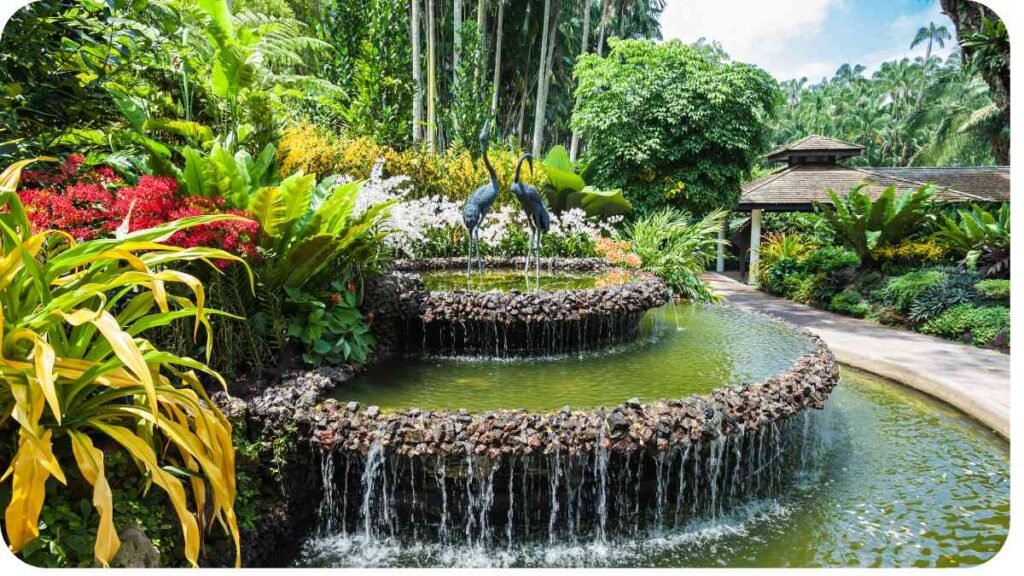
(574, 304)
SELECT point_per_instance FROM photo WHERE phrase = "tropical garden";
(195, 195)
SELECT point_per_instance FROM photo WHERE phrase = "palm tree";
(933, 35)
(431, 76)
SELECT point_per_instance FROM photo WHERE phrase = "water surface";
(685, 349)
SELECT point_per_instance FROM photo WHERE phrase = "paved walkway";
(974, 380)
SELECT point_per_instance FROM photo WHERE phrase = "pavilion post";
(720, 258)
(755, 244)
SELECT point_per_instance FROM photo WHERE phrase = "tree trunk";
(496, 86)
(968, 18)
(431, 77)
(457, 42)
(417, 74)
(574, 147)
(604, 26)
(547, 45)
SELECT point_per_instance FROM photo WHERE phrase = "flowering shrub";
(432, 225)
(92, 202)
(454, 174)
(617, 252)
(912, 252)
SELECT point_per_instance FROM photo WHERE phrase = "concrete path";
(974, 380)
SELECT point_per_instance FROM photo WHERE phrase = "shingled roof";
(800, 186)
(989, 182)
(813, 170)
(814, 145)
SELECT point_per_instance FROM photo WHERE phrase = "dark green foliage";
(849, 302)
(672, 124)
(981, 324)
(329, 325)
(812, 277)
(956, 289)
(994, 290)
(471, 94)
(811, 226)
(982, 237)
(902, 291)
(865, 225)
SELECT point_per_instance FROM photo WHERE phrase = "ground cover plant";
(906, 262)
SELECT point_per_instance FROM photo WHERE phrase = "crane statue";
(536, 212)
(477, 207)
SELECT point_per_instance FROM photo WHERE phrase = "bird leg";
(469, 252)
(479, 260)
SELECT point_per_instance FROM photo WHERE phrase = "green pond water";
(504, 280)
(684, 349)
(902, 481)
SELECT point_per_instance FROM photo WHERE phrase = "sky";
(806, 38)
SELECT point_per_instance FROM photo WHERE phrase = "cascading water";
(593, 498)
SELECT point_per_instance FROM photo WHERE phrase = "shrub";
(980, 324)
(902, 291)
(996, 290)
(76, 370)
(849, 302)
(330, 326)
(677, 250)
(911, 252)
(92, 203)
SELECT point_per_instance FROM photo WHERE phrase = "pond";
(683, 349)
(896, 479)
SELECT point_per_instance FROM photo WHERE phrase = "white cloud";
(794, 38)
(757, 32)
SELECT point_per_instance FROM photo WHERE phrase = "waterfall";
(566, 496)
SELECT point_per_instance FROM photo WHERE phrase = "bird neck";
(490, 169)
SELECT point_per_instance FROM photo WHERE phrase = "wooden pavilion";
(813, 167)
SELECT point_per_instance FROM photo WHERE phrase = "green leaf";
(268, 208)
(560, 172)
(598, 202)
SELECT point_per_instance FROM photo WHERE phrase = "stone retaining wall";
(629, 427)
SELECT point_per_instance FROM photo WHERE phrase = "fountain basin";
(411, 318)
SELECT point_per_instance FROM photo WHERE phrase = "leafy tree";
(672, 124)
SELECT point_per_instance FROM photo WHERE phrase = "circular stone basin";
(683, 349)
(505, 280)
(887, 478)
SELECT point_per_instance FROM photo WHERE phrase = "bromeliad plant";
(79, 378)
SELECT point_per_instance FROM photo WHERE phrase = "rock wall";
(630, 427)
(408, 318)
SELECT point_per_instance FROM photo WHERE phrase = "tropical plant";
(777, 248)
(565, 190)
(865, 225)
(330, 326)
(981, 236)
(956, 287)
(678, 249)
(76, 369)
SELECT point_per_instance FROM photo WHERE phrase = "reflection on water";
(902, 481)
(687, 349)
